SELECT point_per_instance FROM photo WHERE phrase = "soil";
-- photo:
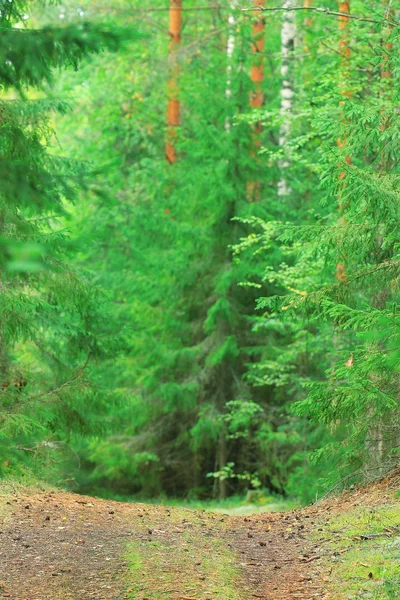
(63, 546)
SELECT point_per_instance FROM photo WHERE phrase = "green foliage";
(158, 325)
(53, 321)
(348, 327)
(160, 242)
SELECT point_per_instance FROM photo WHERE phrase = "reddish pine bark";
(344, 48)
(173, 110)
(256, 95)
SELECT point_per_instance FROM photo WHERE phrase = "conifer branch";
(385, 265)
(252, 9)
(320, 10)
(48, 353)
(64, 385)
(77, 376)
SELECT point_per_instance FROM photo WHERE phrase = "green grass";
(364, 553)
(238, 505)
(235, 505)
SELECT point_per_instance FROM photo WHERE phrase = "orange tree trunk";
(386, 67)
(256, 95)
(173, 110)
(344, 49)
(308, 20)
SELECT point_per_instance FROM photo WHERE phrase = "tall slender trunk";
(344, 88)
(288, 33)
(230, 48)
(222, 460)
(173, 110)
(256, 95)
(386, 72)
(4, 363)
(308, 21)
(345, 52)
(257, 68)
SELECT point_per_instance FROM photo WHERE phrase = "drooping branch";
(62, 386)
(324, 11)
(387, 264)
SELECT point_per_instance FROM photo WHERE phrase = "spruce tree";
(174, 282)
(352, 319)
(49, 312)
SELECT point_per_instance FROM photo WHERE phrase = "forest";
(200, 263)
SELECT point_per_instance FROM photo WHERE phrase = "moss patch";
(364, 553)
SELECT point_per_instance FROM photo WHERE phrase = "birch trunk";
(230, 48)
(288, 34)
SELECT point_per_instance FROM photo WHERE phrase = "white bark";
(288, 34)
(230, 48)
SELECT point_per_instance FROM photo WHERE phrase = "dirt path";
(59, 546)
(280, 561)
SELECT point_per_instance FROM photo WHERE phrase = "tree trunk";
(377, 445)
(308, 20)
(256, 95)
(222, 460)
(288, 33)
(345, 52)
(230, 48)
(173, 110)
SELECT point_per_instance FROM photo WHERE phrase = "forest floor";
(62, 546)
